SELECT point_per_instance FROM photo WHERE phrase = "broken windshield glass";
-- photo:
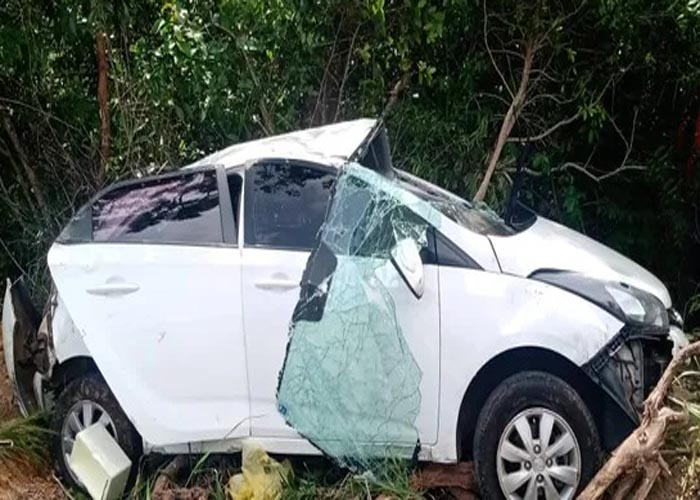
(349, 383)
(479, 217)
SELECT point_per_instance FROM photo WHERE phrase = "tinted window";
(235, 185)
(285, 204)
(182, 209)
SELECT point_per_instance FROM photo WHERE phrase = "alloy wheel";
(82, 415)
(538, 457)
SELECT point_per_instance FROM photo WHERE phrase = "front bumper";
(631, 364)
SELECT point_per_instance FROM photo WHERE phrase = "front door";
(285, 205)
(154, 287)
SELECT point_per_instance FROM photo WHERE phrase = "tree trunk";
(103, 102)
(507, 126)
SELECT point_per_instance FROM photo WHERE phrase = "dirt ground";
(21, 481)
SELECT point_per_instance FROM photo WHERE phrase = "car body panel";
(548, 245)
(333, 144)
(270, 284)
(476, 246)
(270, 293)
(67, 341)
(170, 346)
(485, 314)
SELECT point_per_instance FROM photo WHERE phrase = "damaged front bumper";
(631, 364)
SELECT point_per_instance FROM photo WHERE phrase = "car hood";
(548, 245)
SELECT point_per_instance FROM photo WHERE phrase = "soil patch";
(21, 481)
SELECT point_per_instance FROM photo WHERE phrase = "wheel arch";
(72, 368)
(606, 413)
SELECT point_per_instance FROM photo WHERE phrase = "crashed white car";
(178, 298)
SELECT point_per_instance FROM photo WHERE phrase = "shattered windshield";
(478, 218)
(349, 383)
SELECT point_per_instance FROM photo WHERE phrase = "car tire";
(89, 399)
(541, 407)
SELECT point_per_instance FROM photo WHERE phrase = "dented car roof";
(334, 144)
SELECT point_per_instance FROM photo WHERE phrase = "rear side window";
(180, 209)
(285, 204)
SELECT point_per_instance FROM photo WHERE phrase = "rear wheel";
(83, 402)
(535, 439)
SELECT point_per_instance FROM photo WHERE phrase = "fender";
(475, 328)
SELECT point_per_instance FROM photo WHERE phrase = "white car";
(531, 348)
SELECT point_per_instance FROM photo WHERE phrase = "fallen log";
(636, 464)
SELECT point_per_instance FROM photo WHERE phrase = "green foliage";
(188, 77)
(392, 481)
(24, 439)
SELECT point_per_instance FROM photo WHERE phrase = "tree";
(555, 88)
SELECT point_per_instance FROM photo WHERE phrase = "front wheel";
(535, 439)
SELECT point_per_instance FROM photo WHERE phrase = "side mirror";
(406, 259)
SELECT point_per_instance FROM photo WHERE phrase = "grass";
(209, 472)
(390, 479)
(314, 478)
(24, 440)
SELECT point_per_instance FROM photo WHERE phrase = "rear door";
(150, 273)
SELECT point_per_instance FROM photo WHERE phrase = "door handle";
(277, 284)
(113, 289)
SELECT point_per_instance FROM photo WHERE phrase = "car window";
(285, 204)
(180, 209)
(235, 186)
(475, 217)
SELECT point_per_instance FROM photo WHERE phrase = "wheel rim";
(82, 415)
(538, 457)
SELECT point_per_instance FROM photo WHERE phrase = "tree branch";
(394, 95)
(103, 103)
(638, 456)
(508, 122)
(546, 133)
(326, 71)
(598, 178)
(345, 73)
(34, 185)
(493, 60)
(629, 145)
(29, 107)
(267, 123)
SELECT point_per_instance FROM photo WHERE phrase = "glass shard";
(349, 383)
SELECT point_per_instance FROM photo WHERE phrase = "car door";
(150, 273)
(285, 205)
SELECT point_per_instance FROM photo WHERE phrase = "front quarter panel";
(484, 314)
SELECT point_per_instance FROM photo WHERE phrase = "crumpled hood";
(548, 245)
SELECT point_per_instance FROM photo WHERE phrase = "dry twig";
(636, 464)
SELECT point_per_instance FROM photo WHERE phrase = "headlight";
(627, 303)
(638, 306)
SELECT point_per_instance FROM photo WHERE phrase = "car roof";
(330, 144)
